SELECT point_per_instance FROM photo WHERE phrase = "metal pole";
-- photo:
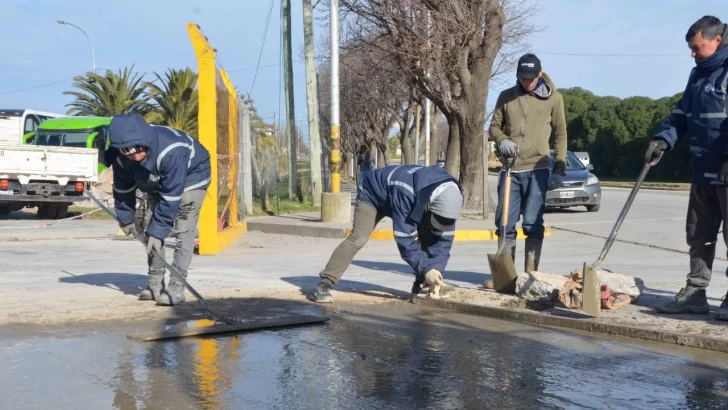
(417, 135)
(427, 100)
(93, 55)
(245, 161)
(290, 108)
(486, 187)
(335, 141)
(311, 92)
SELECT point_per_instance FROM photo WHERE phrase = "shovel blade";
(591, 296)
(503, 272)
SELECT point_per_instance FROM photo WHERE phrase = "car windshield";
(572, 162)
(62, 138)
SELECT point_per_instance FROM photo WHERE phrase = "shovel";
(591, 296)
(501, 264)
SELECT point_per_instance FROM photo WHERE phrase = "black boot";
(533, 254)
(722, 313)
(690, 299)
(322, 292)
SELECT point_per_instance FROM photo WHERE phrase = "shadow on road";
(127, 283)
(307, 283)
(474, 278)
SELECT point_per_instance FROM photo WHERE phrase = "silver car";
(581, 187)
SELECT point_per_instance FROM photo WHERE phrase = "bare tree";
(451, 61)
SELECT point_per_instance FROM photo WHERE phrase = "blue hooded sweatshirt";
(702, 114)
(175, 163)
(402, 193)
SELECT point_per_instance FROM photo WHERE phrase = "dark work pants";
(707, 209)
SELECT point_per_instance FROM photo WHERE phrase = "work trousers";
(707, 210)
(366, 218)
(184, 231)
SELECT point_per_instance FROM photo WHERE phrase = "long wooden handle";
(506, 201)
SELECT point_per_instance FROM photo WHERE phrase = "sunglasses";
(133, 149)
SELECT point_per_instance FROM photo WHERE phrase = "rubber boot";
(154, 288)
(510, 246)
(173, 295)
(533, 254)
(722, 313)
(690, 299)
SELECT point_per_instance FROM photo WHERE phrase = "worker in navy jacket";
(702, 115)
(423, 202)
(173, 170)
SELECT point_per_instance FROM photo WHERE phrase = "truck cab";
(80, 132)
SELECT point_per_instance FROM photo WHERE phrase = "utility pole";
(335, 141)
(312, 100)
(427, 100)
(290, 108)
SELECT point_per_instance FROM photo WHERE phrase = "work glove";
(154, 244)
(434, 277)
(723, 174)
(556, 180)
(128, 229)
(655, 150)
(507, 148)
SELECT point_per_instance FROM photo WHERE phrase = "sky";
(611, 47)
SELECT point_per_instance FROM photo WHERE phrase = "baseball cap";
(528, 67)
(446, 202)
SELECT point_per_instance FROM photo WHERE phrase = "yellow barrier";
(219, 226)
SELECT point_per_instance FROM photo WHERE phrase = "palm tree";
(175, 100)
(109, 94)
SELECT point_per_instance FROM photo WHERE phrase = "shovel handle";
(623, 214)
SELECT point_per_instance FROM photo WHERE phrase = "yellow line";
(460, 235)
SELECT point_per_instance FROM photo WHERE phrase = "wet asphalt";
(388, 356)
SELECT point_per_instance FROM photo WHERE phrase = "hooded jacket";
(528, 120)
(175, 163)
(702, 114)
(402, 193)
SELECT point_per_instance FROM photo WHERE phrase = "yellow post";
(207, 132)
(232, 147)
(335, 159)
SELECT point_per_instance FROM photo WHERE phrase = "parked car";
(581, 187)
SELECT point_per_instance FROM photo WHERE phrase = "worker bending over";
(173, 170)
(423, 202)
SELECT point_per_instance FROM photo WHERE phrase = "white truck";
(47, 177)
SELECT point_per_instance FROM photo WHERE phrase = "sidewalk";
(469, 227)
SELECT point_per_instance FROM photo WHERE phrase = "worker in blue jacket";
(423, 202)
(173, 170)
(702, 115)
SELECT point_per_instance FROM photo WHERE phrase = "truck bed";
(31, 162)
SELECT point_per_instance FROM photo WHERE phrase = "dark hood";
(543, 90)
(724, 41)
(130, 129)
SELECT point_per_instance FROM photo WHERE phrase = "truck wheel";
(5, 210)
(47, 212)
(62, 212)
(593, 208)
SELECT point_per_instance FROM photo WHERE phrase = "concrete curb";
(588, 325)
(377, 235)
